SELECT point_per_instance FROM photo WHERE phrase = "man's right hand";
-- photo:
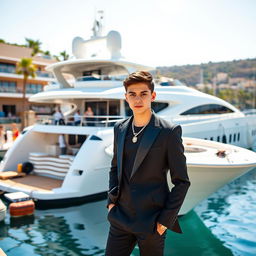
(110, 206)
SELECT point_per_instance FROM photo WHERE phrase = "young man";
(141, 206)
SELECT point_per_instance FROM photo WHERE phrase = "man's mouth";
(138, 106)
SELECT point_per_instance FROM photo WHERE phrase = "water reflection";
(226, 226)
(83, 230)
(71, 231)
(230, 214)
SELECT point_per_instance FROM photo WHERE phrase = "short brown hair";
(140, 77)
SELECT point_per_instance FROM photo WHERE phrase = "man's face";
(139, 97)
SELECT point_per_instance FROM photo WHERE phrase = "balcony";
(19, 90)
(9, 120)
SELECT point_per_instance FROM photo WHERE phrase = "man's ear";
(153, 96)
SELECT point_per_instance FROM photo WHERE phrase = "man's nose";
(137, 98)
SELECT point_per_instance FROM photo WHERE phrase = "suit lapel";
(147, 140)
(120, 147)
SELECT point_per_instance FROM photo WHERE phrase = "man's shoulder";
(166, 125)
(119, 123)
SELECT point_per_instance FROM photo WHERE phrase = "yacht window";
(211, 138)
(158, 106)
(102, 108)
(128, 111)
(99, 108)
(92, 72)
(218, 138)
(114, 108)
(111, 107)
(230, 138)
(234, 139)
(224, 139)
(91, 75)
(238, 136)
(208, 109)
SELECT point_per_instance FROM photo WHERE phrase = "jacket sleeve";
(113, 175)
(179, 177)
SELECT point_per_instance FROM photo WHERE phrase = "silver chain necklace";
(134, 138)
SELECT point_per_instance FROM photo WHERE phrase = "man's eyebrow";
(140, 92)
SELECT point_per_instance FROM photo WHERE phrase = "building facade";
(11, 83)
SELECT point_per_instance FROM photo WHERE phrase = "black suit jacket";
(160, 150)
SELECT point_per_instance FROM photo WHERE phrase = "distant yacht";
(91, 81)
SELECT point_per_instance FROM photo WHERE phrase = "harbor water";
(224, 224)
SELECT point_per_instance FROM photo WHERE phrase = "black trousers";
(122, 242)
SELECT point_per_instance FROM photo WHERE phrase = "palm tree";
(47, 53)
(26, 68)
(35, 45)
(64, 55)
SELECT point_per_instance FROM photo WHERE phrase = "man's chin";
(141, 110)
(138, 110)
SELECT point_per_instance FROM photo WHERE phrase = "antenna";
(97, 24)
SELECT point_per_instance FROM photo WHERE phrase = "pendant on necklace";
(134, 139)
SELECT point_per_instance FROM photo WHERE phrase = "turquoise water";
(230, 214)
(224, 224)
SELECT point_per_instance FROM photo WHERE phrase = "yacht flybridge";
(93, 82)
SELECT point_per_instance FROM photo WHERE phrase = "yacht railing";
(100, 78)
(97, 121)
(203, 117)
(248, 112)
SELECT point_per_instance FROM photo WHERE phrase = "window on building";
(33, 88)
(208, 109)
(7, 67)
(8, 86)
(9, 110)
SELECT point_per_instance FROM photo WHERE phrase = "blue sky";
(154, 32)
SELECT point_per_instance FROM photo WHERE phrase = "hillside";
(191, 74)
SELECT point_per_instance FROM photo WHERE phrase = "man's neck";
(142, 119)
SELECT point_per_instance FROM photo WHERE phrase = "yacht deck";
(33, 182)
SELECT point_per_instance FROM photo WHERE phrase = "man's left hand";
(160, 228)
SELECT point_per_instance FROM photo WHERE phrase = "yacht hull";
(205, 180)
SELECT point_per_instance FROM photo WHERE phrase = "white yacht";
(82, 174)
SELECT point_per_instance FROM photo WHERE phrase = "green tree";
(227, 94)
(47, 53)
(26, 68)
(35, 45)
(64, 55)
